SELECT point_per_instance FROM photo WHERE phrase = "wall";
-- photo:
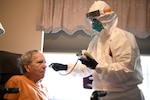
(19, 18)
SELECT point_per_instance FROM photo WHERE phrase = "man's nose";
(44, 65)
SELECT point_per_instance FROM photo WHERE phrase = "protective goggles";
(93, 14)
(97, 13)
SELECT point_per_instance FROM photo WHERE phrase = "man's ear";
(27, 68)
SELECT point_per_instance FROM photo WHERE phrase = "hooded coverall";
(118, 70)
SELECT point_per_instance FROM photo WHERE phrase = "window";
(145, 86)
(62, 42)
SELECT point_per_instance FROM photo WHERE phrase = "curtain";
(69, 16)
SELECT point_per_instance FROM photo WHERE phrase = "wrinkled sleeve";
(79, 70)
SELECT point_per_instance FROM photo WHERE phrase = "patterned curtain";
(69, 16)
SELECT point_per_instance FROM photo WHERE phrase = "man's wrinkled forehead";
(93, 14)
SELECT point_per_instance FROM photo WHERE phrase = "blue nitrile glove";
(58, 66)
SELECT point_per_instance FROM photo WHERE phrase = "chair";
(9, 66)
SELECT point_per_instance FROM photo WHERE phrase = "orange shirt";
(28, 89)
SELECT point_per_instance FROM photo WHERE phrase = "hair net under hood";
(107, 17)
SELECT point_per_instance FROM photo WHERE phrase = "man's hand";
(58, 66)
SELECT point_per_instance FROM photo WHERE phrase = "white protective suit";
(118, 70)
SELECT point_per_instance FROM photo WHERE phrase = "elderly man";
(34, 66)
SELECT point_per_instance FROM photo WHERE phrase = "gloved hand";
(89, 62)
(97, 94)
(58, 66)
(87, 82)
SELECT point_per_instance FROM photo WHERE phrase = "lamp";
(2, 30)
